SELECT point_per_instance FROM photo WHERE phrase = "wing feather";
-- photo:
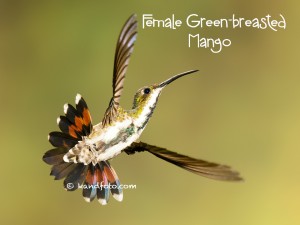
(197, 166)
(123, 52)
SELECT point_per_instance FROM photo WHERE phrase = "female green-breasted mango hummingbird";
(82, 150)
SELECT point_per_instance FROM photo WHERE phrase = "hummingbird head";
(146, 97)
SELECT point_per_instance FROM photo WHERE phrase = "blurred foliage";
(241, 109)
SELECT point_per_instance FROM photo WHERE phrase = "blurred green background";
(241, 109)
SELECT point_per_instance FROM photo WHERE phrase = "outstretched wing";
(197, 166)
(123, 52)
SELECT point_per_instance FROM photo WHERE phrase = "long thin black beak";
(170, 80)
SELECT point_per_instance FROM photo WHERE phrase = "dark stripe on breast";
(148, 115)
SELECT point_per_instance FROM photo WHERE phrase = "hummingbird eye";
(147, 90)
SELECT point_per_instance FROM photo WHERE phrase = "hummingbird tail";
(75, 124)
(99, 180)
(95, 180)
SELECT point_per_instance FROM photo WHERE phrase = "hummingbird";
(82, 151)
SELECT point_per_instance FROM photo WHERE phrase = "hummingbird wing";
(123, 52)
(197, 166)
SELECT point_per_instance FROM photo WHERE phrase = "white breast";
(117, 148)
(147, 109)
(108, 134)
